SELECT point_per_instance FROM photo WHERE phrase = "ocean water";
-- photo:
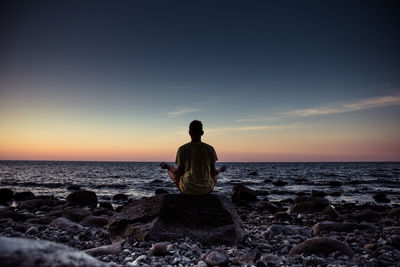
(360, 181)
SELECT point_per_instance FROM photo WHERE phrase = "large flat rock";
(207, 219)
(28, 253)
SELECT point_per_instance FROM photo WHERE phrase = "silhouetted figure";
(195, 172)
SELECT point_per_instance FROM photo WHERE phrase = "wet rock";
(330, 212)
(160, 249)
(381, 197)
(302, 207)
(31, 204)
(82, 198)
(160, 191)
(207, 218)
(283, 216)
(308, 205)
(321, 245)
(335, 194)
(317, 193)
(106, 205)
(63, 223)
(395, 241)
(215, 258)
(340, 227)
(112, 249)
(94, 221)
(265, 205)
(14, 215)
(280, 183)
(334, 183)
(369, 246)
(24, 195)
(40, 220)
(120, 197)
(74, 187)
(253, 173)
(6, 194)
(30, 253)
(76, 214)
(277, 229)
(242, 193)
(102, 211)
(32, 230)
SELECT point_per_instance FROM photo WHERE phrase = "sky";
(270, 80)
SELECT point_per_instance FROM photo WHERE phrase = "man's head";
(196, 129)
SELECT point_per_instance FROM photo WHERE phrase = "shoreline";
(272, 230)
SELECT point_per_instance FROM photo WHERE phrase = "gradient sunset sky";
(271, 81)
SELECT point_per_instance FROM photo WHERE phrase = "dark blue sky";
(232, 63)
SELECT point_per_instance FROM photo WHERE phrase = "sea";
(355, 182)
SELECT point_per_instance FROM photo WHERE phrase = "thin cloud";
(252, 128)
(347, 107)
(182, 111)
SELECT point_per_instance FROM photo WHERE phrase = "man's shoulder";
(185, 146)
(207, 145)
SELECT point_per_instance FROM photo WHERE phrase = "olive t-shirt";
(196, 160)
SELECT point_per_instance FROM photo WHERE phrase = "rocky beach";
(306, 230)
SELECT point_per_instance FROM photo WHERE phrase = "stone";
(94, 221)
(160, 191)
(369, 246)
(32, 230)
(160, 249)
(302, 207)
(106, 205)
(32, 253)
(340, 227)
(279, 183)
(283, 216)
(112, 249)
(331, 212)
(82, 198)
(76, 214)
(242, 193)
(74, 187)
(317, 193)
(207, 218)
(6, 194)
(276, 229)
(254, 173)
(381, 197)
(40, 220)
(321, 245)
(31, 204)
(366, 215)
(335, 183)
(308, 204)
(120, 197)
(63, 223)
(266, 205)
(215, 258)
(24, 195)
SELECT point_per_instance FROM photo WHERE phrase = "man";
(195, 173)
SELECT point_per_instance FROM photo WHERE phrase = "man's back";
(196, 160)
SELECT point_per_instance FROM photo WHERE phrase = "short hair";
(196, 127)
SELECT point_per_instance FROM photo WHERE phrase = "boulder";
(254, 173)
(74, 187)
(160, 191)
(277, 229)
(381, 197)
(106, 205)
(339, 227)
(6, 194)
(215, 258)
(82, 198)
(280, 183)
(308, 204)
(335, 183)
(32, 253)
(207, 218)
(24, 195)
(113, 249)
(266, 205)
(120, 197)
(31, 204)
(94, 221)
(242, 193)
(76, 214)
(63, 223)
(321, 246)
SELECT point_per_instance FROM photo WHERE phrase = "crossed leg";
(172, 173)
